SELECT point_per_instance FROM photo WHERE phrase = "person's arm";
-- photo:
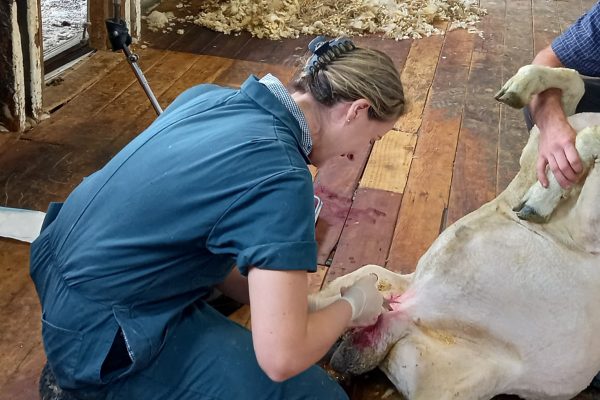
(287, 339)
(557, 137)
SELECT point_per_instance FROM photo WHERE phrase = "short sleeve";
(579, 46)
(271, 226)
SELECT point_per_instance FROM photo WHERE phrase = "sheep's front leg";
(538, 203)
(534, 79)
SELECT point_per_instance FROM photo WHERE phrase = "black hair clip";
(325, 51)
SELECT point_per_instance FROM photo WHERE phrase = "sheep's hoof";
(519, 206)
(529, 213)
(509, 98)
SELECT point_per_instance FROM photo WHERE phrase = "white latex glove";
(365, 300)
(317, 302)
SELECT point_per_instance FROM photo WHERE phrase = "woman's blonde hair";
(351, 74)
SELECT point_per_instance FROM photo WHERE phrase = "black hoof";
(519, 206)
(510, 98)
(528, 213)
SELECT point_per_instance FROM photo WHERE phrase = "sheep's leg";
(388, 281)
(533, 79)
(538, 203)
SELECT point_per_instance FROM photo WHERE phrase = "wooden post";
(100, 10)
(30, 28)
(12, 85)
(21, 69)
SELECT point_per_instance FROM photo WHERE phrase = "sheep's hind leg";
(539, 203)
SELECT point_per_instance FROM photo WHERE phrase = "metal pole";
(116, 10)
(132, 59)
(120, 39)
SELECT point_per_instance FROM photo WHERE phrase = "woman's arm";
(287, 339)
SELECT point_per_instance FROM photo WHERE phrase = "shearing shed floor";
(453, 150)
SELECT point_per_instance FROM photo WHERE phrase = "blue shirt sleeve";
(271, 226)
(579, 46)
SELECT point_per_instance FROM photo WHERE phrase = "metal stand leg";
(119, 37)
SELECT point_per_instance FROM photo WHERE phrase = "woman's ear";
(357, 108)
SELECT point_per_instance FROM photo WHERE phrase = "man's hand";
(557, 149)
(365, 300)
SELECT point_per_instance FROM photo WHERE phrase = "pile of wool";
(158, 20)
(397, 19)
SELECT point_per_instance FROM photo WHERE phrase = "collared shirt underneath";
(278, 89)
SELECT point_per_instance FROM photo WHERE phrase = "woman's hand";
(366, 301)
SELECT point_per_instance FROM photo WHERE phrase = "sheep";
(503, 302)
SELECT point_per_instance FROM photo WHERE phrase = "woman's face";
(360, 132)
(347, 130)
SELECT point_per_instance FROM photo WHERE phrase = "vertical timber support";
(31, 44)
(20, 64)
(135, 22)
(100, 10)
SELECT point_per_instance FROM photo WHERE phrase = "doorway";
(64, 32)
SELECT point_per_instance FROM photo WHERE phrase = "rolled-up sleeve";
(271, 226)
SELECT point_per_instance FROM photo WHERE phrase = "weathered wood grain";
(519, 51)
(426, 195)
(545, 24)
(335, 184)
(474, 172)
(367, 232)
(389, 162)
(416, 77)
(80, 77)
(91, 102)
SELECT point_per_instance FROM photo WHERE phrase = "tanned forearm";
(546, 107)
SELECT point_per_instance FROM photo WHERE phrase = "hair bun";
(325, 51)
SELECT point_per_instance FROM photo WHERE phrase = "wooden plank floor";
(453, 150)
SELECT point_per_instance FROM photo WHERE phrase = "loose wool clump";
(397, 19)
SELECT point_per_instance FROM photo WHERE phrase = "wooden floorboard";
(519, 37)
(89, 71)
(475, 163)
(454, 149)
(367, 233)
(425, 198)
(335, 184)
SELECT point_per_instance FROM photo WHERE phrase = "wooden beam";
(12, 85)
(31, 45)
(20, 64)
(98, 12)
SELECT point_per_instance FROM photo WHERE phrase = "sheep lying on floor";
(499, 304)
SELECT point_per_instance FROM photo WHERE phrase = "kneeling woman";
(216, 192)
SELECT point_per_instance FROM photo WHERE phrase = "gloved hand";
(317, 302)
(365, 300)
